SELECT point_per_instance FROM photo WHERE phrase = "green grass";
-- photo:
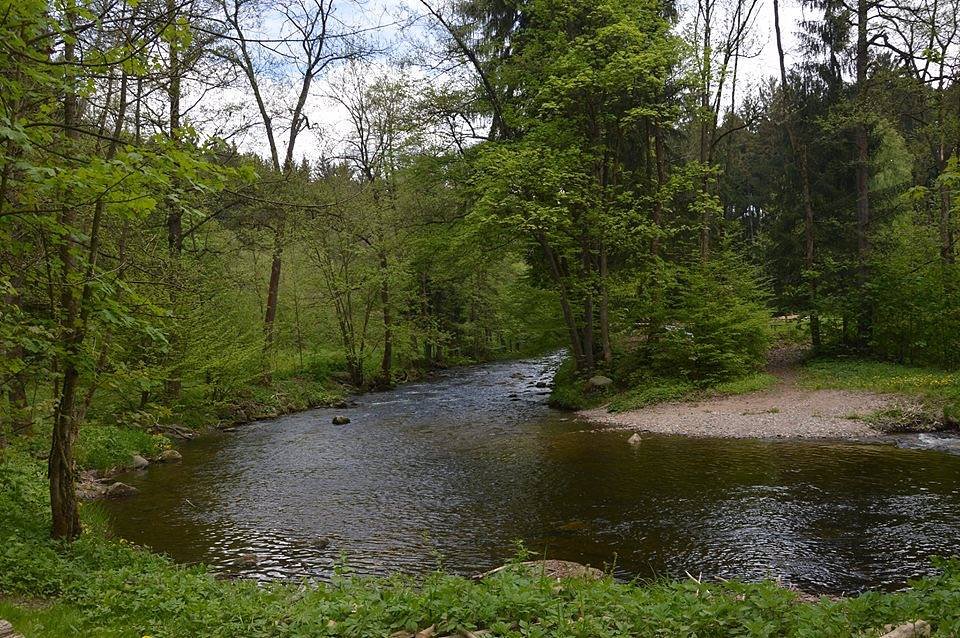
(660, 391)
(746, 384)
(878, 376)
(104, 588)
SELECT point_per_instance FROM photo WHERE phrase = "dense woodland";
(502, 177)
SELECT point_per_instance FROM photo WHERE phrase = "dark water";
(454, 471)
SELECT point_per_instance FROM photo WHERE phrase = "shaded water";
(455, 470)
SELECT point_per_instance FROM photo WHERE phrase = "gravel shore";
(783, 411)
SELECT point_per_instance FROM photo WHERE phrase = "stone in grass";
(170, 456)
(600, 382)
(138, 462)
(915, 629)
(635, 439)
(341, 420)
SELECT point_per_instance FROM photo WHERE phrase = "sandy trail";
(785, 410)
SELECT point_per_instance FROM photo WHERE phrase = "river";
(454, 471)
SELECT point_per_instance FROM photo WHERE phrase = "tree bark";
(273, 287)
(800, 151)
(386, 364)
(862, 141)
(568, 317)
(60, 464)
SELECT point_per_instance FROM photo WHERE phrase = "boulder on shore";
(138, 462)
(340, 420)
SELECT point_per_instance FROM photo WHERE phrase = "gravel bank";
(784, 411)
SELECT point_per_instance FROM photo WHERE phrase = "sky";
(381, 22)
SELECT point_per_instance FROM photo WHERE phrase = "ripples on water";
(453, 471)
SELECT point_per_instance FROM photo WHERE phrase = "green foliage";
(107, 446)
(746, 384)
(915, 296)
(569, 391)
(702, 324)
(659, 391)
(882, 377)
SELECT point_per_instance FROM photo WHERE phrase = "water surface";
(456, 470)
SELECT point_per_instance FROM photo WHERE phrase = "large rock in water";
(120, 490)
(138, 462)
(599, 382)
(340, 420)
(170, 456)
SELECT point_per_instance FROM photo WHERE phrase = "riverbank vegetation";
(188, 237)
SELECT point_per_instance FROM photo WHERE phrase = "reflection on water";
(455, 470)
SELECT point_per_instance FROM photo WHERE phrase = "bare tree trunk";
(386, 364)
(273, 288)
(604, 308)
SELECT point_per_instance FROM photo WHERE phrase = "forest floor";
(800, 403)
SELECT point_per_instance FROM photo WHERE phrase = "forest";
(218, 211)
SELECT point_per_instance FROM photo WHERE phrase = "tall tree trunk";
(861, 136)
(568, 317)
(273, 288)
(386, 364)
(604, 308)
(706, 117)
(800, 151)
(587, 332)
(60, 464)
(174, 214)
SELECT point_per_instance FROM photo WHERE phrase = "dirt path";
(785, 410)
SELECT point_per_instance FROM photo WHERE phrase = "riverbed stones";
(120, 490)
(341, 420)
(248, 560)
(635, 439)
(138, 462)
(170, 456)
(915, 629)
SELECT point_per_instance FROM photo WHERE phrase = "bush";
(915, 297)
(703, 324)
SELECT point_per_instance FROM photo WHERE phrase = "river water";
(455, 471)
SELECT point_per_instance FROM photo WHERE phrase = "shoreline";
(767, 414)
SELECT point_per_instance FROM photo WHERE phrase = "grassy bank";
(931, 396)
(575, 392)
(102, 587)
